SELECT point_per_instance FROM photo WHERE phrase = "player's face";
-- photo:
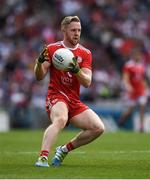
(137, 56)
(72, 33)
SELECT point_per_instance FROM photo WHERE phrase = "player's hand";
(74, 66)
(43, 55)
(129, 88)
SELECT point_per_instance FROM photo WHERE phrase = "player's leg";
(142, 113)
(142, 103)
(92, 127)
(129, 106)
(59, 118)
(125, 115)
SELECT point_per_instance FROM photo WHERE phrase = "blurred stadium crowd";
(110, 29)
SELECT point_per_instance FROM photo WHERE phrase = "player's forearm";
(128, 85)
(39, 71)
(84, 78)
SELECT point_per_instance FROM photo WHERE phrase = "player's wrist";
(78, 72)
(76, 69)
(38, 62)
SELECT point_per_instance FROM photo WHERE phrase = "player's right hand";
(43, 55)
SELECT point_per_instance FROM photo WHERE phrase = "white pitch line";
(84, 152)
(115, 152)
(20, 152)
(124, 152)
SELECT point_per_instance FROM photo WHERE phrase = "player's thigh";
(59, 113)
(88, 119)
(142, 100)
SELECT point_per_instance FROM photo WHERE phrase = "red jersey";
(136, 72)
(66, 83)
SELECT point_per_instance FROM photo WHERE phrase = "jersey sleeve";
(126, 69)
(87, 63)
(51, 50)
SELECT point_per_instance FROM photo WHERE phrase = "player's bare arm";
(42, 64)
(85, 77)
(40, 70)
(126, 81)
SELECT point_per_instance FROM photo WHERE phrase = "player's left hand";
(43, 55)
(74, 66)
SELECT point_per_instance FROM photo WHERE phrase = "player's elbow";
(39, 78)
(87, 84)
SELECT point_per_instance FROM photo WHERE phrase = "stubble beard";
(74, 41)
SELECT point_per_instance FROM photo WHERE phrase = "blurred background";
(110, 29)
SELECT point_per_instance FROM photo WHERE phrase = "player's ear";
(63, 29)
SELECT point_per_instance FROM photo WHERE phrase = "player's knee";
(99, 129)
(60, 122)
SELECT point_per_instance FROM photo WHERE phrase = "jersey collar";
(69, 47)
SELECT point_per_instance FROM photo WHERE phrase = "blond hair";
(68, 19)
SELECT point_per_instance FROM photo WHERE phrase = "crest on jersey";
(79, 59)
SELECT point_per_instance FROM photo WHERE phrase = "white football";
(62, 58)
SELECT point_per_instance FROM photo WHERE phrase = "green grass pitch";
(120, 155)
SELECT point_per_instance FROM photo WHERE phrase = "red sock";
(44, 153)
(70, 146)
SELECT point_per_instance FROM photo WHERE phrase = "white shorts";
(141, 100)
